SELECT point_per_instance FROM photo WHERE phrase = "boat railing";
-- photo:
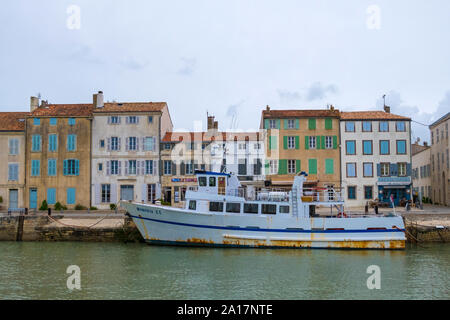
(335, 194)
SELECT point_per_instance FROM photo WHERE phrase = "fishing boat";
(220, 212)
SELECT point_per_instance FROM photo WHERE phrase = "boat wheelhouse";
(220, 212)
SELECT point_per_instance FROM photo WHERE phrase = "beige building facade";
(421, 171)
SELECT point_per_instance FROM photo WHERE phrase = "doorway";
(33, 198)
(13, 199)
(127, 192)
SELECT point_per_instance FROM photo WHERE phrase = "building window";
(51, 195)
(51, 167)
(401, 169)
(351, 192)
(311, 124)
(242, 167)
(349, 126)
(312, 166)
(36, 121)
(52, 142)
(71, 142)
(367, 146)
(72, 121)
(13, 146)
(242, 146)
(131, 167)
(272, 142)
(150, 119)
(350, 147)
(149, 144)
(71, 167)
(312, 142)
(71, 195)
(257, 146)
(114, 120)
(13, 172)
(148, 166)
(366, 126)
(400, 126)
(257, 167)
(272, 124)
(53, 121)
(114, 144)
(167, 167)
(384, 126)
(36, 143)
(102, 143)
(291, 124)
(35, 168)
(291, 142)
(132, 143)
(328, 142)
(368, 192)
(384, 147)
(114, 166)
(384, 169)
(189, 168)
(167, 146)
(351, 170)
(132, 119)
(106, 193)
(328, 123)
(291, 166)
(368, 169)
(329, 166)
(401, 146)
(273, 166)
(100, 167)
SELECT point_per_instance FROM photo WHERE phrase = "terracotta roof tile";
(371, 115)
(299, 113)
(63, 110)
(131, 107)
(10, 121)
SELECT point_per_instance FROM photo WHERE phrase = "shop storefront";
(399, 188)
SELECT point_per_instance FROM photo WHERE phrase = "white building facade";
(375, 157)
(421, 171)
(126, 151)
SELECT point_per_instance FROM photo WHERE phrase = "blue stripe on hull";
(267, 230)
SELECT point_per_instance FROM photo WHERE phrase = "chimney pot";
(267, 108)
(387, 109)
(34, 103)
(98, 100)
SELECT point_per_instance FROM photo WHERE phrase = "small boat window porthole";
(212, 181)
(269, 208)
(202, 181)
(251, 208)
(216, 206)
(192, 204)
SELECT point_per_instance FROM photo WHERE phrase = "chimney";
(34, 103)
(211, 122)
(425, 144)
(387, 109)
(267, 108)
(98, 100)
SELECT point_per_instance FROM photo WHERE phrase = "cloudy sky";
(230, 58)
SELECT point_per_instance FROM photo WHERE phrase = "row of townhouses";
(98, 153)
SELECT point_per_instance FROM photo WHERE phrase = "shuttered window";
(329, 166)
(71, 167)
(312, 166)
(13, 171)
(71, 195)
(36, 142)
(51, 167)
(51, 195)
(52, 142)
(35, 168)
(71, 142)
(13, 146)
(311, 124)
(328, 124)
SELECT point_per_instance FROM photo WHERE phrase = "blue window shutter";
(65, 168)
(378, 170)
(77, 167)
(71, 195)
(266, 123)
(408, 169)
(51, 195)
(393, 169)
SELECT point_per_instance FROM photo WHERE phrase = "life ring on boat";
(342, 215)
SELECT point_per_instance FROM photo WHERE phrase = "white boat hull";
(175, 226)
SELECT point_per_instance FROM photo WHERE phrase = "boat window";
(192, 204)
(216, 206)
(212, 181)
(284, 209)
(269, 208)
(233, 207)
(251, 208)
(202, 181)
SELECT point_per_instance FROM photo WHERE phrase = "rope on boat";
(417, 240)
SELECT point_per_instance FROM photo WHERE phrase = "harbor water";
(38, 270)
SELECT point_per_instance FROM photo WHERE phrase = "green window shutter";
(282, 166)
(297, 166)
(266, 123)
(328, 124)
(285, 126)
(322, 142)
(306, 142)
(312, 166)
(285, 142)
(272, 142)
(266, 166)
(329, 166)
(297, 142)
(297, 123)
(311, 124)
(334, 142)
(278, 124)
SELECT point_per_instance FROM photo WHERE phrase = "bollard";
(26, 211)
(49, 211)
(366, 208)
(376, 208)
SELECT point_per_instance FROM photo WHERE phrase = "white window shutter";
(119, 163)
(137, 119)
(144, 193)
(138, 167)
(137, 143)
(98, 193)
(127, 141)
(158, 191)
(143, 168)
(108, 168)
(113, 193)
(109, 144)
(126, 167)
